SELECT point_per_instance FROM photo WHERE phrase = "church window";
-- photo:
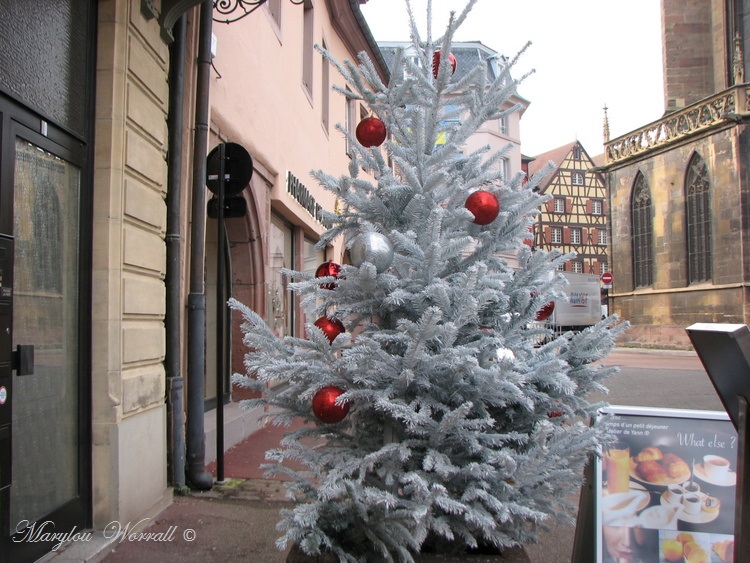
(642, 233)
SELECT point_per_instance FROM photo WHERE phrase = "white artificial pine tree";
(468, 422)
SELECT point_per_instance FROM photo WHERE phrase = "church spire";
(606, 125)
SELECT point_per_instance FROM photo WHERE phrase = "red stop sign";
(607, 278)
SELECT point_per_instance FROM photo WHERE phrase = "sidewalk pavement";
(236, 520)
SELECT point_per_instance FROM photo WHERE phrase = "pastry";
(725, 550)
(676, 467)
(651, 471)
(651, 453)
(685, 537)
(697, 555)
(689, 547)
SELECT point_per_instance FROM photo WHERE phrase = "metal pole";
(174, 304)
(220, 310)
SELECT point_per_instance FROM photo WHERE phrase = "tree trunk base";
(508, 555)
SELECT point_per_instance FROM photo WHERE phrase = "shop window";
(311, 258)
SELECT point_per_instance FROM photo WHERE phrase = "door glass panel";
(281, 318)
(45, 314)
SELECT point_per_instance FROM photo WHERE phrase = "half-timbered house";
(574, 219)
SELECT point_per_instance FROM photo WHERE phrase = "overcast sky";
(585, 53)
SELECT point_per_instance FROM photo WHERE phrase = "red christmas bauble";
(370, 132)
(484, 206)
(557, 410)
(327, 269)
(436, 62)
(545, 312)
(530, 241)
(331, 327)
(324, 405)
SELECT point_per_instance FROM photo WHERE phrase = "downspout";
(172, 362)
(197, 475)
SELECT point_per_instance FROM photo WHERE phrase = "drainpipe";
(172, 362)
(197, 475)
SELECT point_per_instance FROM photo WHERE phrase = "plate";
(661, 482)
(702, 517)
(639, 499)
(729, 480)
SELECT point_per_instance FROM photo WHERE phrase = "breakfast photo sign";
(666, 486)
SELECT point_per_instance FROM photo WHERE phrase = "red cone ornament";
(545, 312)
(436, 62)
(370, 132)
(324, 405)
(327, 269)
(331, 327)
(484, 206)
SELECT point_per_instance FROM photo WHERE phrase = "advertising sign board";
(666, 487)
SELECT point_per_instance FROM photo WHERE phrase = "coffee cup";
(692, 503)
(674, 494)
(715, 467)
(691, 487)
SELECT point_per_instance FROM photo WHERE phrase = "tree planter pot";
(514, 555)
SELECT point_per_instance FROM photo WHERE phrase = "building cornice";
(349, 22)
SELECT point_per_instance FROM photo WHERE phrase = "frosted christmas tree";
(440, 415)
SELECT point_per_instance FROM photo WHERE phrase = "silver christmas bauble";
(373, 248)
(489, 357)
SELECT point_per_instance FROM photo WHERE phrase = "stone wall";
(129, 262)
(687, 52)
(660, 313)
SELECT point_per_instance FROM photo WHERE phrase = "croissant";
(725, 550)
(651, 453)
(675, 466)
(651, 471)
